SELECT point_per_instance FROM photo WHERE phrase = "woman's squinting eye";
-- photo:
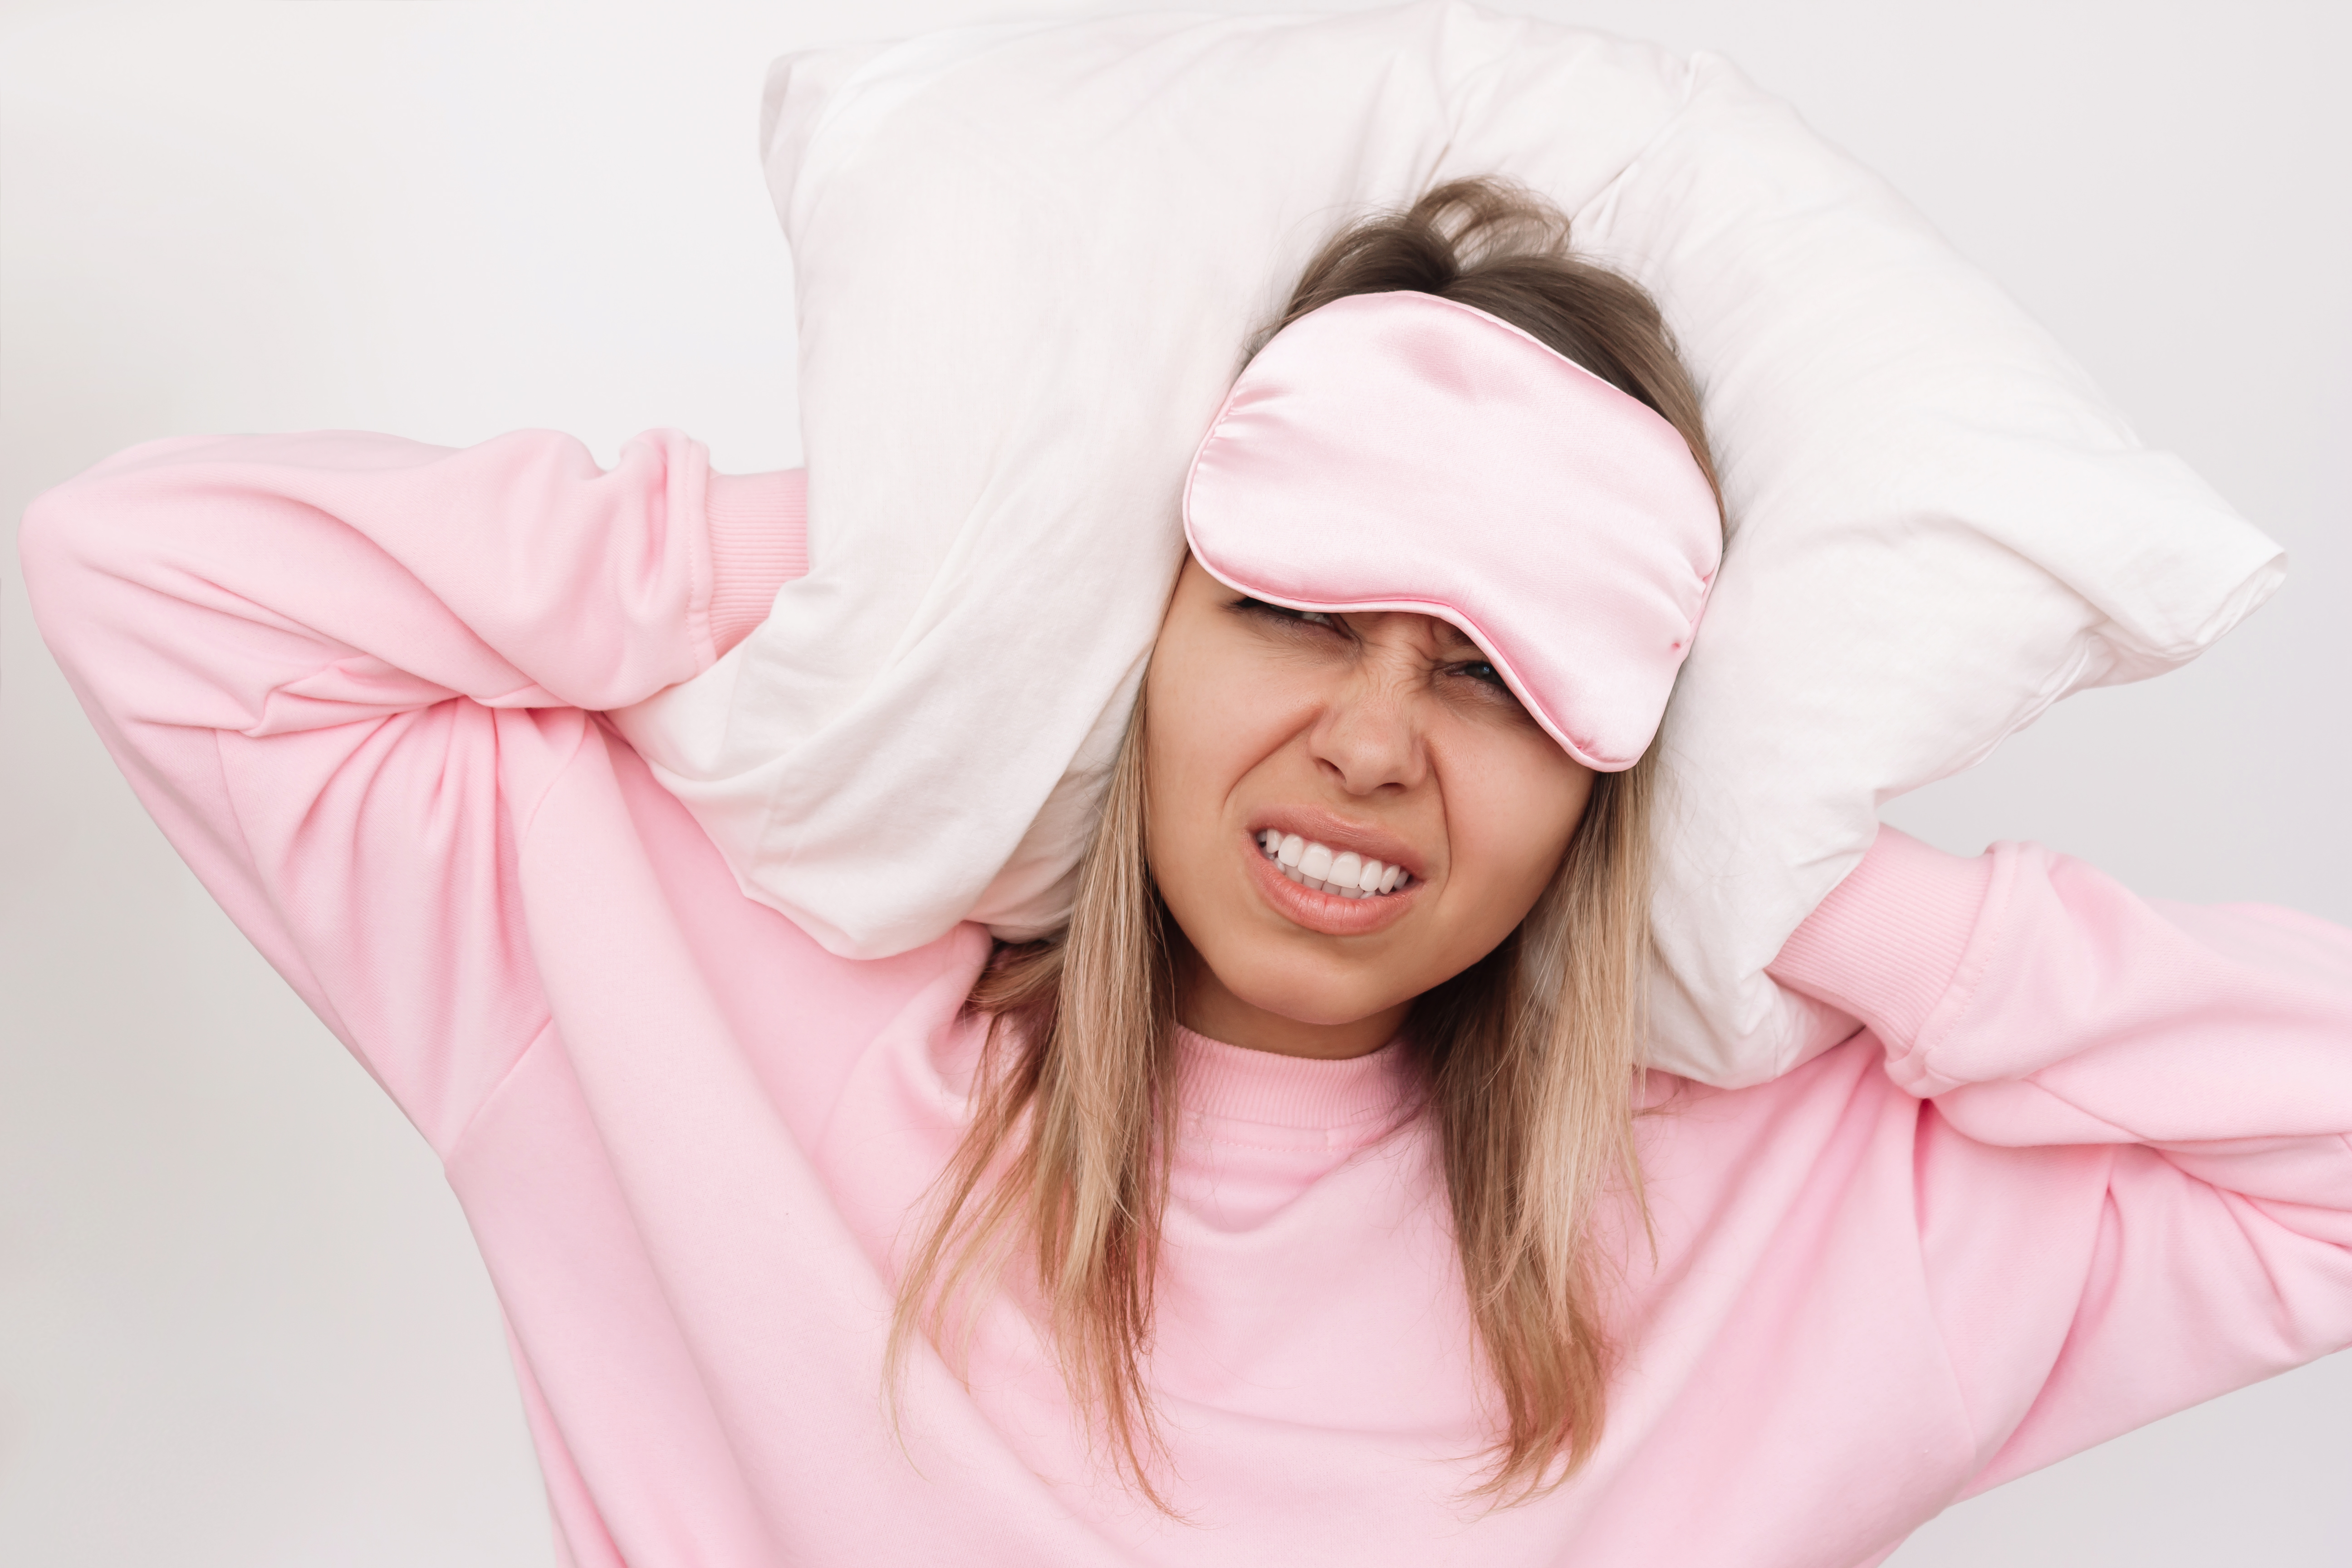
(1283, 613)
(1480, 670)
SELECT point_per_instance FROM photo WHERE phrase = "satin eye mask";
(1403, 452)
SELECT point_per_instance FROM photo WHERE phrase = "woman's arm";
(2133, 1178)
(325, 660)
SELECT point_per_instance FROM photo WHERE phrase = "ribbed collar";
(1363, 1095)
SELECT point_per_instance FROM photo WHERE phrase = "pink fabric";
(354, 679)
(1569, 533)
(759, 543)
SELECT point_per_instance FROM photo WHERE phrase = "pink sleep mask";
(1401, 452)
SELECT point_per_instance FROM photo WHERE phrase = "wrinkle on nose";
(1370, 734)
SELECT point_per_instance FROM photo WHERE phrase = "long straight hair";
(1531, 1057)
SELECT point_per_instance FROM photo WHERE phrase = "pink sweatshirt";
(2084, 1162)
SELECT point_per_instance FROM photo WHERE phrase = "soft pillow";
(1028, 259)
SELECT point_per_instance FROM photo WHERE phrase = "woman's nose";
(1368, 735)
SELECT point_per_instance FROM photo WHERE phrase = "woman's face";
(1381, 737)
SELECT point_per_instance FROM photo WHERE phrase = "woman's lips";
(1368, 841)
(1326, 913)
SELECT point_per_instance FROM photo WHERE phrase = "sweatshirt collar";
(1362, 1096)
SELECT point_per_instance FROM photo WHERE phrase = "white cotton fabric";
(1028, 258)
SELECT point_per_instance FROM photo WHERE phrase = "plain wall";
(241, 1321)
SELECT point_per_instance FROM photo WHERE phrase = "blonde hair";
(1530, 1057)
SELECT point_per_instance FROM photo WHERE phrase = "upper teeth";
(1328, 870)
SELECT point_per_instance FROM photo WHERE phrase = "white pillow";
(1027, 260)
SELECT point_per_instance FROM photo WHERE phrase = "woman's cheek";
(1509, 817)
(1209, 730)
(1238, 722)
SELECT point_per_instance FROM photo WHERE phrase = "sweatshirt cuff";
(1887, 944)
(759, 543)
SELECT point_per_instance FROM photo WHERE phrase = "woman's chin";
(1316, 1002)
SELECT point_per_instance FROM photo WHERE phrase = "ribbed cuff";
(759, 543)
(1885, 944)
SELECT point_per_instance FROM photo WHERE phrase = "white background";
(241, 1321)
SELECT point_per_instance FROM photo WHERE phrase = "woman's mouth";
(1342, 873)
(1350, 895)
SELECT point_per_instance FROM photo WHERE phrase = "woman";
(1235, 1223)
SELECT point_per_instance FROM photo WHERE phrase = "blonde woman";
(1303, 1200)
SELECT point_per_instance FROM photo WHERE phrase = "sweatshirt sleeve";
(2133, 1174)
(313, 656)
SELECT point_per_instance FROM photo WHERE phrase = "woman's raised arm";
(2133, 1178)
(336, 667)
